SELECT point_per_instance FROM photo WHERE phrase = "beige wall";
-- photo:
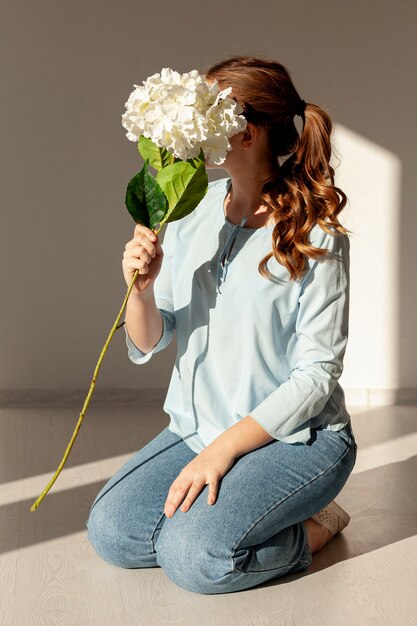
(67, 69)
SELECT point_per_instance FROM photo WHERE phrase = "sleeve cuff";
(137, 356)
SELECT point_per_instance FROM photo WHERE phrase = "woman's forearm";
(143, 320)
(244, 436)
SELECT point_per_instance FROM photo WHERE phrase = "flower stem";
(92, 385)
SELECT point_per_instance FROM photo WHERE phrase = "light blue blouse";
(248, 345)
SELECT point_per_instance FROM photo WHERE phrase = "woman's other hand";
(208, 467)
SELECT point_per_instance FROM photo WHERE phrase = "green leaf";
(156, 202)
(184, 185)
(198, 160)
(135, 198)
(157, 157)
(145, 199)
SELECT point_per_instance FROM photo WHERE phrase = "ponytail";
(304, 195)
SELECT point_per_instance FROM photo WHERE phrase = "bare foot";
(317, 535)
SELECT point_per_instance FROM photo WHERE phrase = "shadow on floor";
(378, 500)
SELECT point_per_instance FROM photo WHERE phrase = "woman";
(238, 488)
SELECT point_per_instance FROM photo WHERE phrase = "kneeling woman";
(238, 489)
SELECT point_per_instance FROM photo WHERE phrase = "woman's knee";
(115, 543)
(192, 560)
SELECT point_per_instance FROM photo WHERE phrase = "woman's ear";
(249, 135)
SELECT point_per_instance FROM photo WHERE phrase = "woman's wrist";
(142, 296)
(224, 446)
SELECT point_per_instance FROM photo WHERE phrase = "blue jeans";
(253, 533)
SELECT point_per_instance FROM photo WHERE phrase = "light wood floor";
(49, 573)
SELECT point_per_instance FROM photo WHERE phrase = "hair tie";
(300, 108)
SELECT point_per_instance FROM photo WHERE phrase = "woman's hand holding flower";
(145, 254)
(208, 467)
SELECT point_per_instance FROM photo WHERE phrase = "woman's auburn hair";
(302, 193)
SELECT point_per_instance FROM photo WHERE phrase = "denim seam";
(234, 566)
(154, 531)
(275, 569)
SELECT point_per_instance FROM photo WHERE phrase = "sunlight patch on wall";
(371, 178)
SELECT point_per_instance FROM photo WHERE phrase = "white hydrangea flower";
(183, 113)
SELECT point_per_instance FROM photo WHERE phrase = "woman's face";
(250, 148)
(231, 154)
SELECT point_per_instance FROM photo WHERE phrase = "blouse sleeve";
(321, 338)
(164, 302)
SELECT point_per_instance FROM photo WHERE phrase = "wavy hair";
(301, 192)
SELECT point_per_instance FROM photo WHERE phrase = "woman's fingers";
(139, 264)
(212, 493)
(140, 252)
(176, 493)
(191, 496)
(143, 254)
(211, 498)
(141, 245)
(176, 496)
(140, 229)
